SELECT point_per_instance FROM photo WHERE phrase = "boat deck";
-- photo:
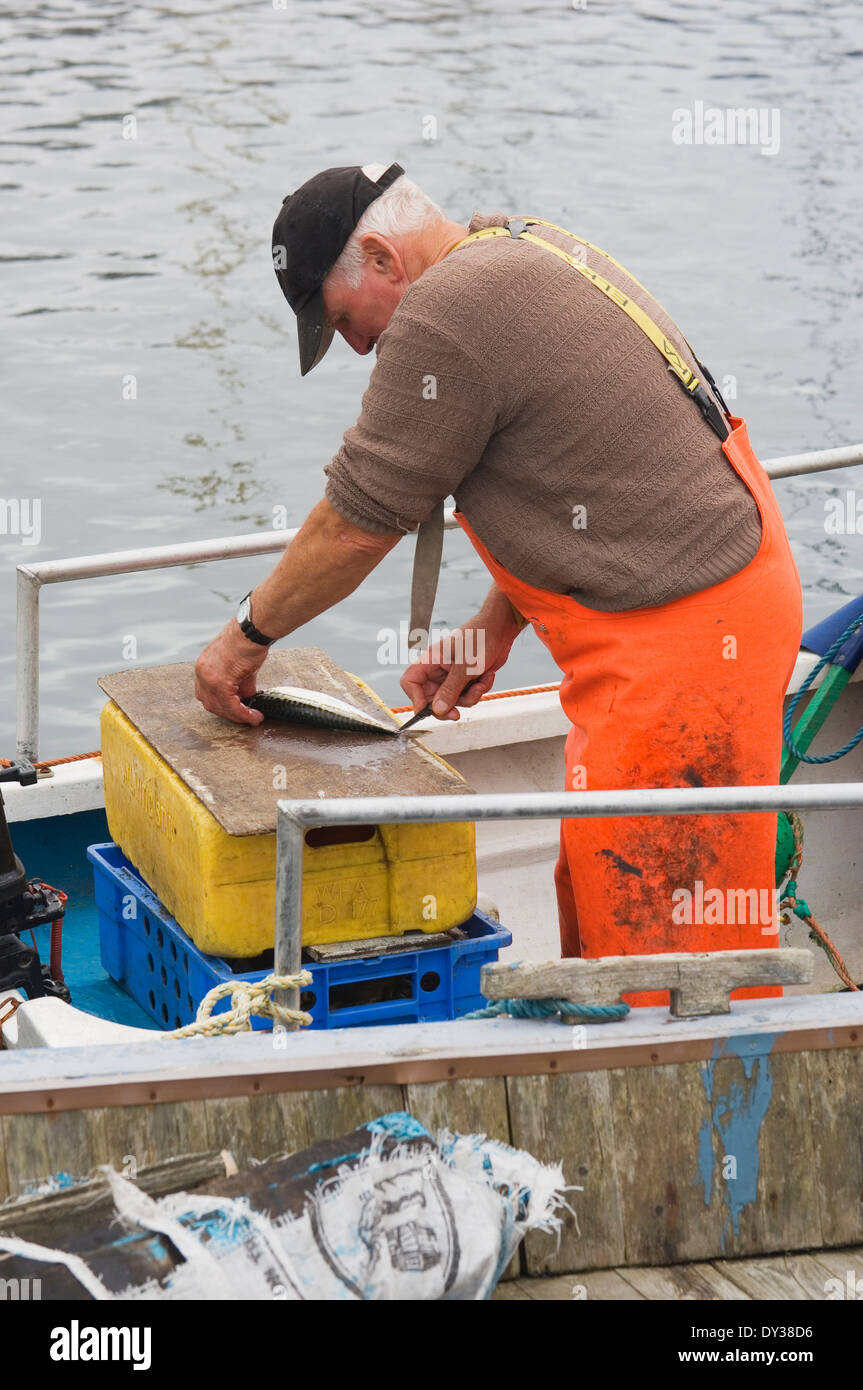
(792, 1278)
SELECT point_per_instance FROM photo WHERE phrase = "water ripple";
(155, 142)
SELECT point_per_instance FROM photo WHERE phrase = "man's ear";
(382, 256)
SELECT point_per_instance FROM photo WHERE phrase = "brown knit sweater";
(508, 380)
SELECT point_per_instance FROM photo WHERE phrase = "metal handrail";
(295, 818)
(30, 578)
(819, 461)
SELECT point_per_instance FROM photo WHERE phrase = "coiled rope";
(799, 906)
(789, 713)
(547, 1008)
(247, 999)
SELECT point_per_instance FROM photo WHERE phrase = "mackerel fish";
(294, 705)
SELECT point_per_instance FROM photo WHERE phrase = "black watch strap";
(247, 627)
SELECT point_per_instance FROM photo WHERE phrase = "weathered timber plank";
(812, 1276)
(130, 1137)
(252, 1127)
(836, 1088)
(331, 951)
(60, 1215)
(339, 1111)
(40, 1146)
(295, 1120)
(769, 1279)
(557, 1289)
(605, 1284)
(786, 1211)
(127, 1142)
(764, 1279)
(848, 1257)
(266, 1126)
(731, 1169)
(568, 1119)
(136, 1136)
(586, 1286)
(511, 1291)
(844, 1265)
(466, 1107)
(272, 1136)
(176, 1127)
(755, 1147)
(700, 982)
(697, 1282)
(657, 1114)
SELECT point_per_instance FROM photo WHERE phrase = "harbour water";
(151, 388)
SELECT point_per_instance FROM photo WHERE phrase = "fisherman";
(618, 506)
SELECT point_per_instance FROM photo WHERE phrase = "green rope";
(789, 713)
(791, 902)
(547, 1008)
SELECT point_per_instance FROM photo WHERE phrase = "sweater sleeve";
(427, 416)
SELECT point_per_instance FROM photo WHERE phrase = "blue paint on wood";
(735, 1121)
(705, 1158)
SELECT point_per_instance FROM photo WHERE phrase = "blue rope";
(547, 1008)
(789, 713)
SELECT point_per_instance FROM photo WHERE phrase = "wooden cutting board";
(232, 768)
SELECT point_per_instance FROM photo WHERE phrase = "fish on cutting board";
(295, 705)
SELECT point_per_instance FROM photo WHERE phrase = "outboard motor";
(25, 904)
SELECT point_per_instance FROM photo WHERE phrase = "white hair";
(401, 208)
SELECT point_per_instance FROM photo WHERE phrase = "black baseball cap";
(311, 231)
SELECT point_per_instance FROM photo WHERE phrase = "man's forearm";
(500, 612)
(326, 561)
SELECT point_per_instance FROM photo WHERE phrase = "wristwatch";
(247, 627)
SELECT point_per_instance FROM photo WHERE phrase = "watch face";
(244, 611)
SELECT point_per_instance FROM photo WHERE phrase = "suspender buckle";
(711, 412)
(712, 384)
(516, 225)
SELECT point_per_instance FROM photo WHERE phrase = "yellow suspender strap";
(677, 365)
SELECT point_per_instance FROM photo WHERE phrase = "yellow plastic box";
(383, 881)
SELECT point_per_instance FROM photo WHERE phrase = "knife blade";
(427, 709)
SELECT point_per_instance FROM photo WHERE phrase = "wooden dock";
(822, 1275)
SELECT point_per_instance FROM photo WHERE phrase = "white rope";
(247, 998)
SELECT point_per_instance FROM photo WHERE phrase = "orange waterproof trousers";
(685, 694)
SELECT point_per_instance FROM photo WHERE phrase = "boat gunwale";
(512, 716)
(143, 1073)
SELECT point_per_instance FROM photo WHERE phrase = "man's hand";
(324, 563)
(225, 675)
(471, 655)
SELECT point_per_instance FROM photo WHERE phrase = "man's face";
(362, 314)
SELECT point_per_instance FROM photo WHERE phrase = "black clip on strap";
(705, 372)
(717, 421)
(711, 412)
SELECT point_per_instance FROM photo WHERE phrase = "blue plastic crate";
(146, 951)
